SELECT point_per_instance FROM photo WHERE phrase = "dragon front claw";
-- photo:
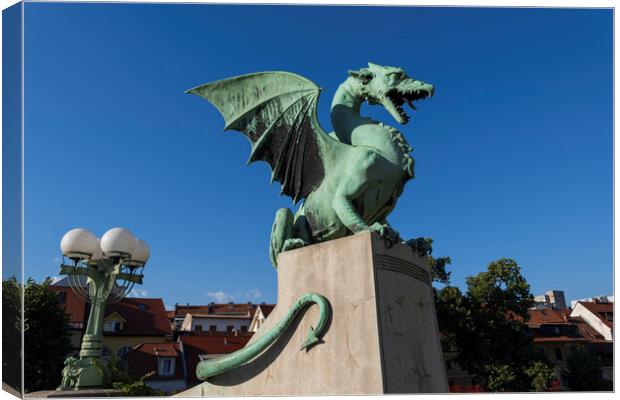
(293, 243)
(389, 235)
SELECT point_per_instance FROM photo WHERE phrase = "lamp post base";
(91, 374)
(87, 371)
(82, 373)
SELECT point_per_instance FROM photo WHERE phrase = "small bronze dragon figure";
(350, 179)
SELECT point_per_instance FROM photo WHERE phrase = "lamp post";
(101, 271)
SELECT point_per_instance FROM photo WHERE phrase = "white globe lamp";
(118, 242)
(140, 254)
(78, 244)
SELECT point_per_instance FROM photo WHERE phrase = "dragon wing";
(277, 112)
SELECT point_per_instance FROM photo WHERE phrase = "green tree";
(583, 372)
(486, 329)
(46, 337)
(541, 375)
(118, 377)
(11, 333)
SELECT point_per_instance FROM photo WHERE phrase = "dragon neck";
(345, 118)
(345, 110)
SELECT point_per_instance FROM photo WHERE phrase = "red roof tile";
(267, 309)
(196, 345)
(74, 306)
(151, 320)
(142, 360)
(144, 317)
(164, 349)
(215, 309)
(220, 316)
(600, 309)
(547, 316)
(586, 331)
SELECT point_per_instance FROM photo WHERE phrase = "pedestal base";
(74, 393)
(382, 337)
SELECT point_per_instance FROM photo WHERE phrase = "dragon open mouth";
(395, 98)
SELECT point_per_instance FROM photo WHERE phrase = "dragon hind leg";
(283, 235)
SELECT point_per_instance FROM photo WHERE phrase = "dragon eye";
(396, 74)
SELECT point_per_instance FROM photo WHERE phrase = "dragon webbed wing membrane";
(277, 112)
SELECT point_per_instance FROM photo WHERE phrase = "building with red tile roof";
(199, 347)
(214, 317)
(161, 362)
(76, 310)
(143, 316)
(556, 333)
(133, 321)
(171, 366)
(599, 315)
(559, 332)
(127, 323)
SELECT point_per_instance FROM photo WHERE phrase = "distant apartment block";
(553, 299)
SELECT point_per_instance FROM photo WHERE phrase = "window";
(106, 353)
(556, 330)
(113, 326)
(123, 352)
(244, 328)
(141, 306)
(198, 328)
(61, 297)
(558, 354)
(212, 328)
(166, 366)
(229, 328)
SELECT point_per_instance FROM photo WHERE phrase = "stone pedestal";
(382, 337)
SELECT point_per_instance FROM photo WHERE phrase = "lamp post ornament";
(101, 271)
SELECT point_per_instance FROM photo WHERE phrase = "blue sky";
(513, 154)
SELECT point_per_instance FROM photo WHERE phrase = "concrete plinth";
(382, 337)
(74, 393)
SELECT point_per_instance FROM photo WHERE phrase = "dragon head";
(391, 87)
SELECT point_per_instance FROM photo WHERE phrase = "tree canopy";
(46, 337)
(11, 333)
(485, 327)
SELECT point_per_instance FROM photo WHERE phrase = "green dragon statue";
(350, 179)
